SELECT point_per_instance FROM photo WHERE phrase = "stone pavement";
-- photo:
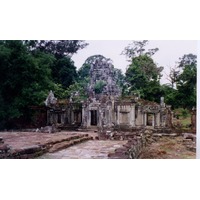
(65, 144)
(95, 149)
(33, 144)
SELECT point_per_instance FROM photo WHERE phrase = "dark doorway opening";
(149, 119)
(59, 118)
(77, 117)
(93, 117)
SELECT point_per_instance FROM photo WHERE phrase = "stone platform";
(32, 144)
(93, 149)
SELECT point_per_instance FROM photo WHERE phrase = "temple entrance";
(93, 118)
(77, 117)
(150, 119)
(59, 118)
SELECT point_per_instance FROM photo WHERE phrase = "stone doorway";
(93, 118)
(150, 118)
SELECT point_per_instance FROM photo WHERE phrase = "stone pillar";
(140, 117)
(62, 117)
(84, 117)
(132, 120)
(157, 119)
(153, 120)
(118, 115)
(145, 119)
(72, 117)
(110, 116)
(89, 117)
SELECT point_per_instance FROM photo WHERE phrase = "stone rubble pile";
(132, 149)
(4, 149)
(189, 140)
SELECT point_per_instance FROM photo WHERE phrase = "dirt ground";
(167, 148)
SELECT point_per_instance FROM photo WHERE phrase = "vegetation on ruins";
(98, 88)
(30, 69)
(84, 77)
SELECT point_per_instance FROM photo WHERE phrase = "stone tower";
(102, 71)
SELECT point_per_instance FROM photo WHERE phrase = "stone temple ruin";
(105, 109)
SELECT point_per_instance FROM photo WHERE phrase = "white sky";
(169, 52)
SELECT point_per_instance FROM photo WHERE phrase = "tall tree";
(64, 72)
(24, 79)
(138, 48)
(143, 75)
(187, 81)
(173, 76)
(63, 69)
(59, 48)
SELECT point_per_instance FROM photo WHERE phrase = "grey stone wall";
(132, 149)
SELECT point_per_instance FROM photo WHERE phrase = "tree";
(119, 77)
(186, 81)
(84, 72)
(137, 48)
(143, 76)
(59, 48)
(173, 76)
(170, 95)
(64, 72)
(25, 80)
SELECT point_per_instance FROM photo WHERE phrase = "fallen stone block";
(189, 136)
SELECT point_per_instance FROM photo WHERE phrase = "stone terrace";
(33, 144)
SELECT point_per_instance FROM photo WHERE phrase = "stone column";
(132, 120)
(110, 116)
(140, 117)
(62, 117)
(89, 117)
(83, 123)
(145, 119)
(153, 120)
(72, 116)
(158, 119)
(118, 115)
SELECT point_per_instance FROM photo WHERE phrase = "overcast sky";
(169, 52)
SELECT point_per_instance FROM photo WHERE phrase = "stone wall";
(132, 149)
